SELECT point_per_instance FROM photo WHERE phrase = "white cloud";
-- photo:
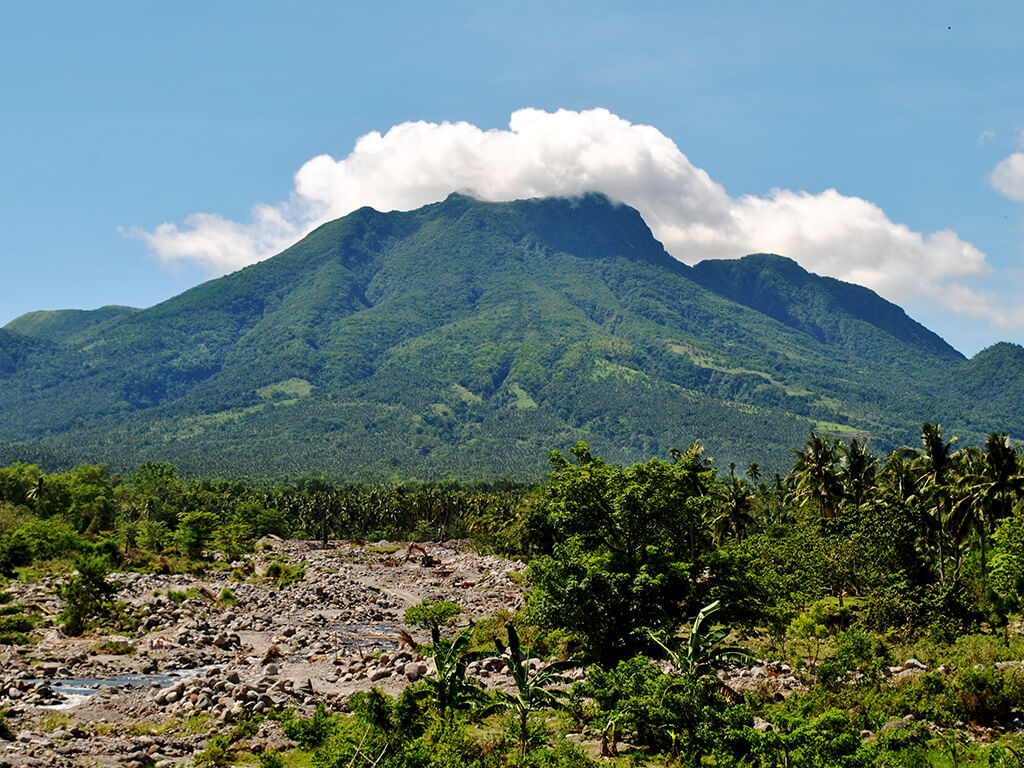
(569, 153)
(1008, 176)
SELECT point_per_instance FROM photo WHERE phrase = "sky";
(147, 147)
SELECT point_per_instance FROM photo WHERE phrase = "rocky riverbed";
(115, 700)
(199, 663)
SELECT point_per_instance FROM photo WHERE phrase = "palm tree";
(1003, 476)
(37, 495)
(857, 472)
(987, 487)
(933, 467)
(734, 511)
(753, 472)
(817, 478)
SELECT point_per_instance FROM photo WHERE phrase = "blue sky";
(119, 117)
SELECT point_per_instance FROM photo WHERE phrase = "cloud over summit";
(568, 153)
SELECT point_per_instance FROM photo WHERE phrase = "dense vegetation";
(651, 573)
(465, 339)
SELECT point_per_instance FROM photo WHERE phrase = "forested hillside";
(465, 339)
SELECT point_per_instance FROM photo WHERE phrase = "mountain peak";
(822, 307)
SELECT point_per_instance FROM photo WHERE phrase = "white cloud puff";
(1008, 176)
(569, 153)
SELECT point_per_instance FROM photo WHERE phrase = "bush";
(234, 540)
(153, 535)
(15, 552)
(855, 652)
(428, 614)
(87, 593)
(195, 530)
(311, 732)
(217, 754)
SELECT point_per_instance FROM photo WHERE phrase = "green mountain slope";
(832, 311)
(63, 324)
(467, 339)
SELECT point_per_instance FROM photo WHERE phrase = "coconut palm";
(857, 472)
(734, 511)
(933, 468)
(816, 475)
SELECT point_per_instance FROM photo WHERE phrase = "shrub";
(234, 540)
(195, 530)
(87, 593)
(153, 535)
(428, 614)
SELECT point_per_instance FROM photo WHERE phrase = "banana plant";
(704, 652)
(449, 688)
(534, 691)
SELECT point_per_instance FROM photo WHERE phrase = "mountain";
(831, 311)
(466, 339)
(63, 324)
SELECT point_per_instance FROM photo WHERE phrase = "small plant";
(449, 688)
(428, 614)
(115, 648)
(533, 691)
(217, 754)
(15, 624)
(180, 596)
(270, 758)
(704, 651)
(283, 574)
(228, 597)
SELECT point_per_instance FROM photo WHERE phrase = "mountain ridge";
(467, 339)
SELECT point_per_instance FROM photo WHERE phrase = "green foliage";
(448, 688)
(534, 690)
(87, 593)
(704, 651)
(679, 715)
(195, 530)
(284, 575)
(858, 652)
(466, 338)
(15, 623)
(217, 753)
(623, 540)
(429, 614)
(234, 540)
(313, 731)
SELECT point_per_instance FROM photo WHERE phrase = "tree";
(857, 472)
(734, 511)
(195, 530)
(817, 477)
(86, 593)
(933, 467)
(623, 542)
(449, 688)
